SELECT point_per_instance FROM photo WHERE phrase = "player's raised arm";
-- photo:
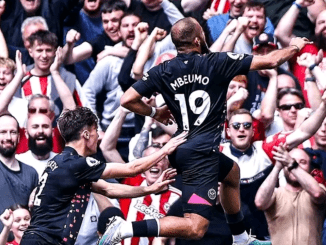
(138, 166)
(278, 57)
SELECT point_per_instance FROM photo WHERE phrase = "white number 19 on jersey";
(201, 110)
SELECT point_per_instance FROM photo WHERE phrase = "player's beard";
(40, 149)
(8, 152)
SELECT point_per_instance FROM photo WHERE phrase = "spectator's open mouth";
(2, 86)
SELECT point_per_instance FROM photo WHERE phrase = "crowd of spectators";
(59, 54)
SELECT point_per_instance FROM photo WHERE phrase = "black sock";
(145, 228)
(235, 222)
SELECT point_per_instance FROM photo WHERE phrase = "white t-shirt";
(30, 160)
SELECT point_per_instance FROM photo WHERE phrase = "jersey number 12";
(201, 110)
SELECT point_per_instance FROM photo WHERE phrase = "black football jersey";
(194, 87)
(59, 183)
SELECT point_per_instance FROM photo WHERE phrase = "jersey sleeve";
(146, 86)
(87, 169)
(231, 64)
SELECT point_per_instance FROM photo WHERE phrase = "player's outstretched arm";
(126, 191)
(138, 166)
(279, 56)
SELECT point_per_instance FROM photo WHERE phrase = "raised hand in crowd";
(228, 30)
(146, 50)
(7, 218)
(57, 61)
(62, 88)
(158, 34)
(210, 12)
(311, 63)
(141, 33)
(11, 88)
(72, 37)
(242, 24)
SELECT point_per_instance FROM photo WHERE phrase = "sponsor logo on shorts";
(211, 194)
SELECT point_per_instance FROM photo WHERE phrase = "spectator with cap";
(217, 23)
(259, 80)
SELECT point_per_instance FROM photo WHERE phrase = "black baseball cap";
(264, 38)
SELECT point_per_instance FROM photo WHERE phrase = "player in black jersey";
(56, 206)
(194, 86)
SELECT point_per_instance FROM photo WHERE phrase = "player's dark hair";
(116, 5)
(43, 37)
(285, 91)
(10, 115)
(240, 111)
(255, 5)
(72, 122)
(183, 32)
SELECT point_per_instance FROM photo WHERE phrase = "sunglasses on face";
(34, 110)
(297, 106)
(236, 125)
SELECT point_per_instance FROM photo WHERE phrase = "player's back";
(194, 87)
(58, 185)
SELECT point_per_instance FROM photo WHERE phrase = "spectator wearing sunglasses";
(254, 166)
